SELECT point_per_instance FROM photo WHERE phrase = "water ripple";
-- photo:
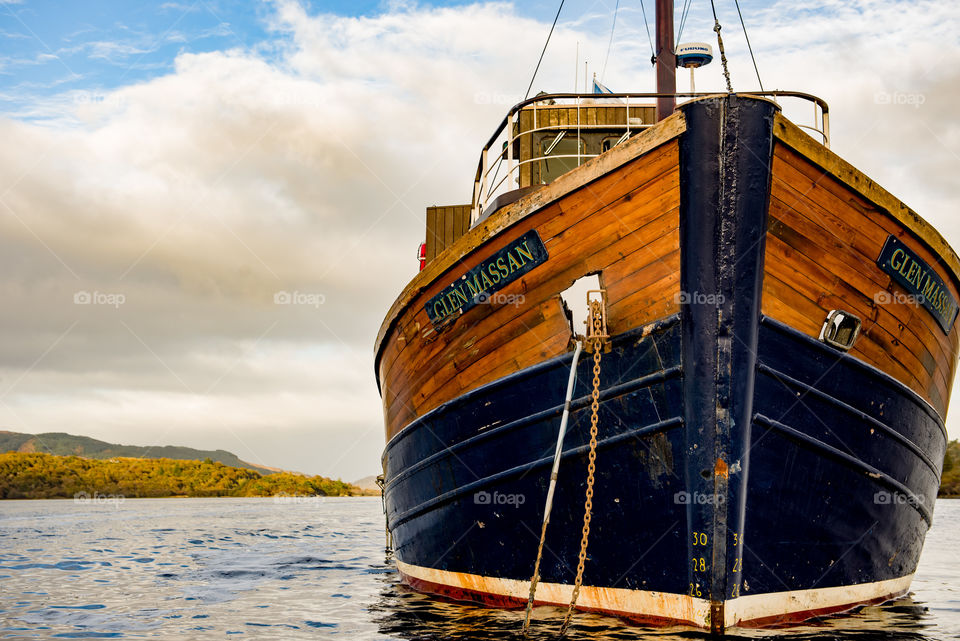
(209, 568)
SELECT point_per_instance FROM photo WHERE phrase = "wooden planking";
(566, 115)
(548, 339)
(796, 181)
(472, 340)
(593, 171)
(662, 177)
(588, 231)
(566, 266)
(796, 267)
(524, 123)
(536, 354)
(606, 223)
(795, 248)
(799, 311)
(649, 303)
(447, 226)
(832, 295)
(815, 222)
(431, 238)
(620, 278)
(593, 118)
(555, 221)
(822, 247)
(871, 228)
(806, 279)
(891, 319)
(872, 224)
(805, 224)
(450, 378)
(846, 174)
(444, 226)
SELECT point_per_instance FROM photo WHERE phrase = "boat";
(774, 341)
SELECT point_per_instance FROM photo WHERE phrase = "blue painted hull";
(746, 473)
(500, 440)
(841, 478)
(844, 469)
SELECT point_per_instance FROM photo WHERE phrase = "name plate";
(923, 283)
(476, 286)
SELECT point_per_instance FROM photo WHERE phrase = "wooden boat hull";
(747, 473)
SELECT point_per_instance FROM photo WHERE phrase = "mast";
(666, 59)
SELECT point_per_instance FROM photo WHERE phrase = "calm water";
(211, 568)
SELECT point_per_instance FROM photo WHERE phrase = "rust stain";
(658, 458)
(720, 469)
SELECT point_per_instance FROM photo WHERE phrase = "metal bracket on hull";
(597, 331)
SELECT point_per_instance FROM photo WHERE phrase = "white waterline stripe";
(675, 607)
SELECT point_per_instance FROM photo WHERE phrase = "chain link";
(534, 581)
(382, 484)
(723, 55)
(596, 337)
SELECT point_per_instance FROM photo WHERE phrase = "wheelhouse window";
(558, 154)
(610, 142)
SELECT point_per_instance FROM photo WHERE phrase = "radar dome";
(694, 54)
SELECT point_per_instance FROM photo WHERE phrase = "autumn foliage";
(950, 482)
(41, 476)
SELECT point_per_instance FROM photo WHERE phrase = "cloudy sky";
(168, 170)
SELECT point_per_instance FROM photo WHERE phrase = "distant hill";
(368, 483)
(68, 444)
(46, 476)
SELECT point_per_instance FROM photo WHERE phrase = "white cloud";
(200, 194)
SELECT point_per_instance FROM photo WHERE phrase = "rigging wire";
(603, 72)
(653, 53)
(683, 19)
(723, 56)
(557, 17)
(737, 2)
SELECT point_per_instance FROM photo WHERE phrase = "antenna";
(693, 55)
(576, 69)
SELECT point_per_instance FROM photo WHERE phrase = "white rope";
(571, 381)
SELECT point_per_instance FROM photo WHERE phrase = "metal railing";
(488, 183)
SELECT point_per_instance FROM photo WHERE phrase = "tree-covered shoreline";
(950, 481)
(43, 476)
